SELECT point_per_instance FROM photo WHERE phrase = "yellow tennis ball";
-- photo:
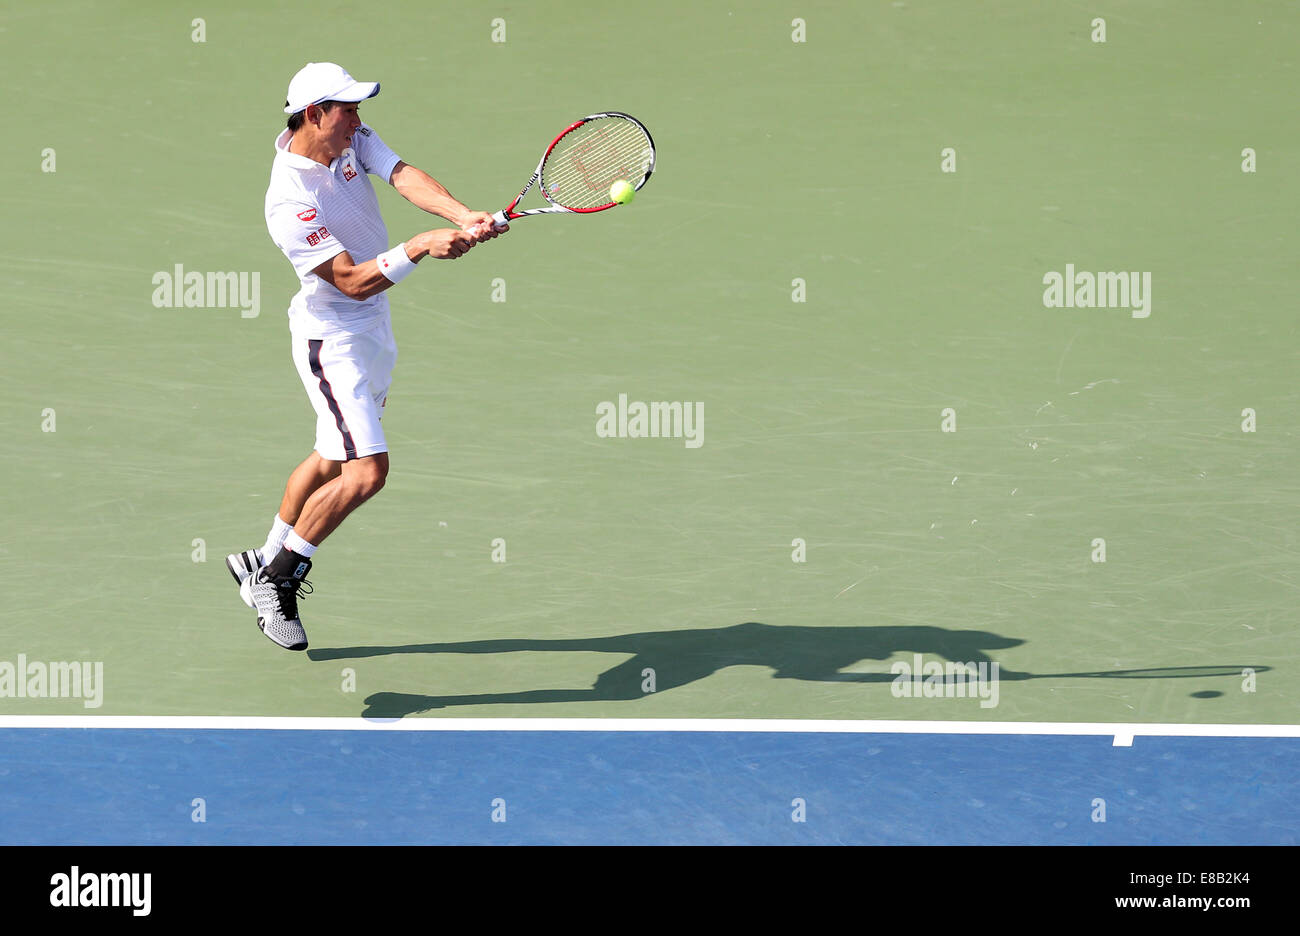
(622, 191)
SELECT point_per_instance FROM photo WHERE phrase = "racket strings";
(580, 170)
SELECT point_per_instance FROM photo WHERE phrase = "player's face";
(337, 127)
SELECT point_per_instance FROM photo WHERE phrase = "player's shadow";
(816, 654)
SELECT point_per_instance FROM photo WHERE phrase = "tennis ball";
(622, 191)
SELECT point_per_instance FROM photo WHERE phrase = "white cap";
(325, 81)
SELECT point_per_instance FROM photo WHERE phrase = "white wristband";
(395, 264)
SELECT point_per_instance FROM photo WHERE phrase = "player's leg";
(347, 381)
(275, 589)
(329, 505)
(306, 479)
(303, 482)
(351, 377)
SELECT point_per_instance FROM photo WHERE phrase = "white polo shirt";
(314, 212)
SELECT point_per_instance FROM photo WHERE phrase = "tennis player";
(321, 211)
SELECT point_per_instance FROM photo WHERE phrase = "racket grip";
(499, 220)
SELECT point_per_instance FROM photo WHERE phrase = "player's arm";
(428, 194)
(363, 280)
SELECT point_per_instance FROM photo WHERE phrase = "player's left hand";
(480, 226)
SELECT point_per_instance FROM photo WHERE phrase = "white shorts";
(347, 381)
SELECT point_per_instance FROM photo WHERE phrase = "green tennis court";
(801, 268)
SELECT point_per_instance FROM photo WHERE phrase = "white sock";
(275, 539)
(296, 544)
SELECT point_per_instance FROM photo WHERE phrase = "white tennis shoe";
(276, 603)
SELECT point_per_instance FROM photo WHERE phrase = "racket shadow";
(814, 654)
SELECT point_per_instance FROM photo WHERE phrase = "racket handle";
(499, 220)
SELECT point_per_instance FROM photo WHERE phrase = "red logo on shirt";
(324, 233)
(308, 215)
(313, 238)
(349, 173)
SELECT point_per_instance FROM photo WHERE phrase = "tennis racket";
(580, 165)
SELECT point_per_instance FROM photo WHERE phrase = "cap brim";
(357, 91)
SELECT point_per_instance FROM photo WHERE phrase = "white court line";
(1122, 733)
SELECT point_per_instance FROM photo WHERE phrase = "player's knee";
(367, 478)
(371, 483)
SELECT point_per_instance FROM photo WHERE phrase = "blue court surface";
(107, 786)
